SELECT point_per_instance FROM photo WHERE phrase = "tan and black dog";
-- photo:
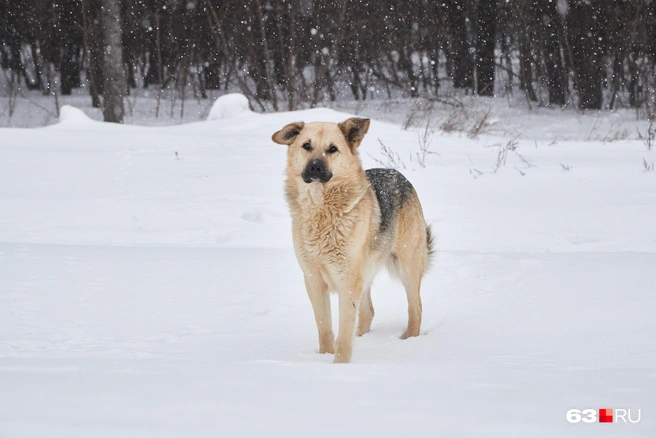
(347, 223)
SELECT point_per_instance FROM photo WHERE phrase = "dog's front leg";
(320, 297)
(349, 303)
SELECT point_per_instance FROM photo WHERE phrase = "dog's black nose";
(316, 171)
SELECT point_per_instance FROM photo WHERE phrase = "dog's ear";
(288, 134)
(354, 130)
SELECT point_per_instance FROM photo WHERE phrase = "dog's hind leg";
(320, 297)
(412, 285)
(366, 314)
(401, 265)
(349, 302)
(410, 258)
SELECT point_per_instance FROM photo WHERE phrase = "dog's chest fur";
(327, 221)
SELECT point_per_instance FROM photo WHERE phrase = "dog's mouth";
(311, 179)
(316, 171)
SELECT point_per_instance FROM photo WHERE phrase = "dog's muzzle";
(316, 171)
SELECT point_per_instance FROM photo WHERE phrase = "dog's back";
(401, 223)
(392, 191)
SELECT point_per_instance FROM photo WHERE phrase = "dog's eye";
(307, 146)
(332, 149)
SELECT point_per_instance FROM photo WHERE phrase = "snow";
(229, 105)
(71, 116)
(148, 286)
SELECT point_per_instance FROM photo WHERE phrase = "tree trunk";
(650, 24)
(461, 61)
(268, 68)
(583, 23)
(69, 69)
(485, 43)
(90, 40)
(434, 70)
(405, 63)
(524, 37)
(114, 83)
(37, 65)
(525, 69)
(549, 23)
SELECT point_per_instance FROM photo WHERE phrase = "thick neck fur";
(333, 199)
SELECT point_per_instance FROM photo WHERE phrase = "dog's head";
(319, 151)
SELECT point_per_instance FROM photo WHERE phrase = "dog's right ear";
(288, 134)
(354, 130)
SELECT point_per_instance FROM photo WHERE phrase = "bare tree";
(585, 23)
(485, 44)
(549, 25)
(114, 82)
(459, 55)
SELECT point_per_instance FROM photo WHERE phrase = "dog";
(348, 223)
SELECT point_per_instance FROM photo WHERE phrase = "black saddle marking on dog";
(392, 190)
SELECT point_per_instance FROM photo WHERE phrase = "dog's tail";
(430, 246)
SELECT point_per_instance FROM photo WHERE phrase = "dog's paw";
(361, 331)
(327, 350)
(327, 343)
(412, 334)
(342, 358)
(327, 347)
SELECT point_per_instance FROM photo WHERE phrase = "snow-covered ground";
(148, 285)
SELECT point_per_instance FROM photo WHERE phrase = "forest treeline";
(285, 54)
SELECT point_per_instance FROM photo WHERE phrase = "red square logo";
(605, 415)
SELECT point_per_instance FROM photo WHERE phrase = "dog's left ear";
(354, 130)
(288, 134)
